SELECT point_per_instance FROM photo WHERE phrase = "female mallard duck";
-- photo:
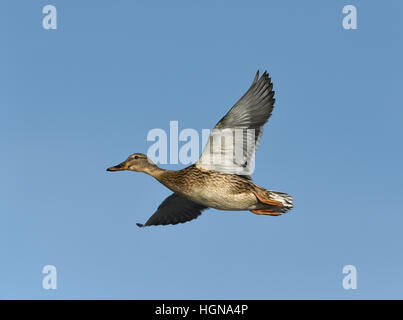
(223, 184)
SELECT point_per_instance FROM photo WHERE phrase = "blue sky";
(81, 98)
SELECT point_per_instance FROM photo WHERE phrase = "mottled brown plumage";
(190, 177)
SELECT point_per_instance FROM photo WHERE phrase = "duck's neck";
(155, 172)
(166, 177)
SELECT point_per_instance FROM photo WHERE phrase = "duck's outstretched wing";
(233, 142)
(174, 209)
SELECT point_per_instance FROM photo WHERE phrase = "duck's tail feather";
(284, 198)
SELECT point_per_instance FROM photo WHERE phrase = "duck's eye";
(136, 157)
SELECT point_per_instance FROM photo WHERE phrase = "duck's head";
(136, 162)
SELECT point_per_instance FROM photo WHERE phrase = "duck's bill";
(119, 167)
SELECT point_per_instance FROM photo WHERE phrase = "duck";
(221, 178)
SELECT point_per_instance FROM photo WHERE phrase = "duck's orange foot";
(266, 212)
(268, 201)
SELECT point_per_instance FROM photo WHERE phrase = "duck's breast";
(223, 198)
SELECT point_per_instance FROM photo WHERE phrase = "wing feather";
(244, 123)
(174, 209)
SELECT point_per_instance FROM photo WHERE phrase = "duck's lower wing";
(174, 209)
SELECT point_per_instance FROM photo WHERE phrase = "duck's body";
(224, 184)
(214, 189)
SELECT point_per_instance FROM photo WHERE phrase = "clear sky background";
(83, 97)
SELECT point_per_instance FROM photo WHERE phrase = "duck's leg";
(269, 212)
(267, 200)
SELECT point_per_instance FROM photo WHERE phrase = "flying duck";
(221, 178)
